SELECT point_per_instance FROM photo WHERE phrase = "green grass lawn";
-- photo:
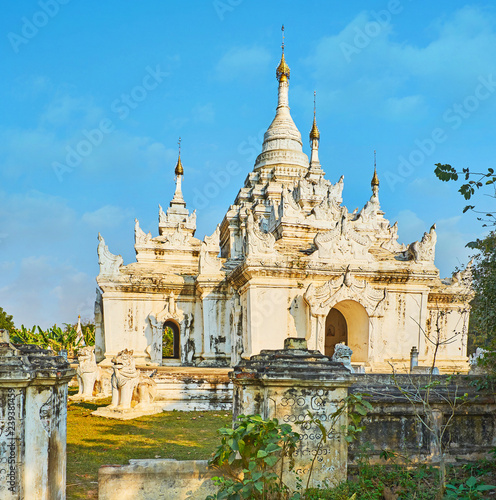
(95, 441)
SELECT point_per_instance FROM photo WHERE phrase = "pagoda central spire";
(282, 142)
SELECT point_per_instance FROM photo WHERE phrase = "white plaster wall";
(268, 317)
(452, 321)
(398, 330)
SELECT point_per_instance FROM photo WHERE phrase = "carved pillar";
(214, 340)
(316, 339)
(282, 384)
(320, 334)
(237, 344)
(33, 414)
(99, 327)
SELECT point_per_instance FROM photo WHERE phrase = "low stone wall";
(393, 423)
(192, 389)
(186, 388)
(155, 480)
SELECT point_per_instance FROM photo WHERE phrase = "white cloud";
(383, 69)
(45, 291)
(242, 63)
(107, 216)
(410, 226)
(66, 110)
(204, 113)
(34, 218)
(410, 105)
(451, 251)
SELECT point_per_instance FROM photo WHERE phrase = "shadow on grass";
(95, 441)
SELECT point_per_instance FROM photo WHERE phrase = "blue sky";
(413, 80)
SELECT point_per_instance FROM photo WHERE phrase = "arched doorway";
(348, 322)
(170, 340)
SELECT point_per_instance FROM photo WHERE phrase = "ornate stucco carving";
(209, 262)
(258, 243)
(170, 311)
(140, 237)
(423, 250)
(109, 263)
(391, 242)
(191, 221)
(305, 189)
(179, 238)
(343, 243)
(328, 210)
(335, 191)
(288, 206)
(162, 217)
(323, 298)
(461, 281)
(321, 187)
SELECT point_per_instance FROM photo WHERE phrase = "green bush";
(251, 457)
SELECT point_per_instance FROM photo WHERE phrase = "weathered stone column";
(33, 421)
(287, 384)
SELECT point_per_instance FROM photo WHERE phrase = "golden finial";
(179, 166)
(314, 133)
(282, 72)
(375, 179)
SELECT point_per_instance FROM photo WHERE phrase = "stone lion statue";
(91, 378)
(342, 354)
(129, 384)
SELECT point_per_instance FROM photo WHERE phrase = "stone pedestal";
(287, 384)
(33, 421)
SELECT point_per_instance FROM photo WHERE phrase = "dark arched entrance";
(336, 331)
(348, 322)
(170, 340)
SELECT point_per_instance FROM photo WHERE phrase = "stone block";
(156, 480)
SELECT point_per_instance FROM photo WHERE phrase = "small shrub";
(469, 490)
(251, 457)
